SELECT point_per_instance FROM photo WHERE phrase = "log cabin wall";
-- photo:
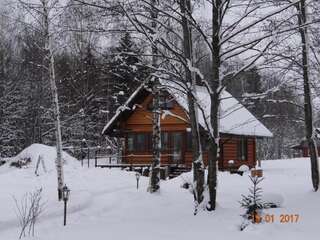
(139, 122)
(305, 151)
(229, 152)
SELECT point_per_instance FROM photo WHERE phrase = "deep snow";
(105, 204)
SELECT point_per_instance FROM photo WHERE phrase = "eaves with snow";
(234, 117)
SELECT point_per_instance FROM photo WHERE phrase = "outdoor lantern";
(137, 177)
(65, 193)
(65, 196)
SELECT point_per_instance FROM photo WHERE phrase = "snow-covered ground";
(105, 204)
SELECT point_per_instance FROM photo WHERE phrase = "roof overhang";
(251, 127)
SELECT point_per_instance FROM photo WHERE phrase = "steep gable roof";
(234, 117)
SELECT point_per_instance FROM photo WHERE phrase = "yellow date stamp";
(280, 218)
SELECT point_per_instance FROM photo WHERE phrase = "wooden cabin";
(133, 124)
(303, 148)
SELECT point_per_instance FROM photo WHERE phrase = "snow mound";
(274, 198)
(243, 168)
(48, 155)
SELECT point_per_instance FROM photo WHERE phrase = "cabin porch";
(176, 150)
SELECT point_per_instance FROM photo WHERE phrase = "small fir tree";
(252, 203)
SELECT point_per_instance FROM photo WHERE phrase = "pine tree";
(13, 103)
(83, 96)
(38, 128)
(127, 69)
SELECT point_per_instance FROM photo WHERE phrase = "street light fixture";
(65, 197)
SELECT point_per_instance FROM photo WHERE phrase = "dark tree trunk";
(197, 159)
(215, 84)
(307, 96)
(156, 113)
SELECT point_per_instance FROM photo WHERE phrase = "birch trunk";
(302, 16)
(215, 85)
(49, 59)
(197, 159)
(156, 112)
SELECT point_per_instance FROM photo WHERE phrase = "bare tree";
(294, 58)
(197, 157)
(308, 111)
(29, 209)
(229, 40)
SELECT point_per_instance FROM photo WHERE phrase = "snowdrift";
(47, 156)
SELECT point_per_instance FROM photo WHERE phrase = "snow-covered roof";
(234, 117)
(123, 108)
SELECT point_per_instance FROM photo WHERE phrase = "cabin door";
(177, 148)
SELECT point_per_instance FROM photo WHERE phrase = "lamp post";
(65, 196)
(137, 177)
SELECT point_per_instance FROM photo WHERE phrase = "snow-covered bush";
(21, 162)
(272, 200)
(243, 168)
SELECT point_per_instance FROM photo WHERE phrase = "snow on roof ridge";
(236, 119)
(123, 107)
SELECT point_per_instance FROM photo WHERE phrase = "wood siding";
(140, 119)
(305, 151)
(140, 122)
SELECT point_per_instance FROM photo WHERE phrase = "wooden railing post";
(81, 155)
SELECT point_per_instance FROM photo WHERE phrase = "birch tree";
(156, 111)
(42, 13)
(49, 63)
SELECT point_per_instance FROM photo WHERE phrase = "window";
(242, 149)
(130, 142)
(138, 142)
(166, 102)
(204, 142)
(189, 141)
(164, 141)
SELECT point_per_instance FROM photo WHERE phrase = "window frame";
(136, 145)
(168, 143)
(242, 149)
(166, 102)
